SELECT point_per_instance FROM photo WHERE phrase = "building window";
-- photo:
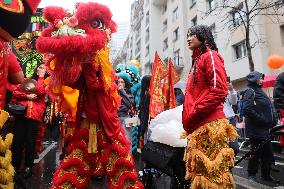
(137, 35)
(210, 5)
(176, 57)
(175, 14)
(138, 47)
(176, 35)
(164, 9)
(131, 42)
(237, 16)
(165, 25)
(166, 60)
(194, 21)
(282, 33)
(147, 50)
(131, 55)
(165, 44)
(213, 30)
(279, 2)
(147, 37)
(147, 18)
(240, 50)
(192, 3)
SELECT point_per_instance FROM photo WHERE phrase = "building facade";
(162, 25)
(118, 39)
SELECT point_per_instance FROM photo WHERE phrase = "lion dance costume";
(82, 74)
(14, 16)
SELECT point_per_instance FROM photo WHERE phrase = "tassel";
(92, 146)
(3, 117)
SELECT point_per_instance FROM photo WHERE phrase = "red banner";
(168, 88)
(155, 90)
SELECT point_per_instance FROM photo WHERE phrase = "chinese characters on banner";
(155, 90)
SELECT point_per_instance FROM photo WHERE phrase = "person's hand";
(120, 87)
(41, 73)
(32, 96)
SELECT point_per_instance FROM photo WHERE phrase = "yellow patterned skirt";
(208, 156)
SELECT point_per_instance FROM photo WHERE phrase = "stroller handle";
(276, 128)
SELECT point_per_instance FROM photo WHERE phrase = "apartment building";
(230, 38)
(157, 25)
(162, 25)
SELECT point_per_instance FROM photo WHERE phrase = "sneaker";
(54, 142)
(28, 172)
(274, 168)
(45, 143)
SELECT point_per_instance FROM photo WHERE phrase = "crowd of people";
(211, 110)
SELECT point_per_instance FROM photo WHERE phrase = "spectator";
(26, 126)
(144, 105)
(259, 118)
(231, 100)
(179, 96)
(126, 109)
(278, 96)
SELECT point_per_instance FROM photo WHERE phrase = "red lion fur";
(68, 48)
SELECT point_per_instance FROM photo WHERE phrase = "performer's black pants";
(25, 132)
(264, 155)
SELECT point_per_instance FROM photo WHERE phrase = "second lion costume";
(81, 60)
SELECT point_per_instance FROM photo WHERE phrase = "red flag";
(168, 89)
(155, 90)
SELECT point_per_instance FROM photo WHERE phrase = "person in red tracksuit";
(26, 126)
(207, 155)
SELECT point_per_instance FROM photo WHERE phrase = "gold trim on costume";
(20, 10)
(208, 156)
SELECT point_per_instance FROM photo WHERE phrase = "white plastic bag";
(167, 128)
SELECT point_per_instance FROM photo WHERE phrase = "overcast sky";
(120, 8)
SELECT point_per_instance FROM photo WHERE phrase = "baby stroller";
(161, 160)
(164, 159)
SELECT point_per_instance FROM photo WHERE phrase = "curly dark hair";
(204, 34)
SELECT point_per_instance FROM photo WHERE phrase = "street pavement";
(49, 159)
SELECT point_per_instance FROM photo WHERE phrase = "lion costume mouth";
(75, 45)
(75, 35)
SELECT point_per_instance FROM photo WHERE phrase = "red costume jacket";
(205, 96)
(35, 108)
(8, 65)
(95, 102)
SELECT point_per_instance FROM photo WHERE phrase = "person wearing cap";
(259, 118)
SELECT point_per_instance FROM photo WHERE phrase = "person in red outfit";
(14, 19)
(26, 126)
(207, 155)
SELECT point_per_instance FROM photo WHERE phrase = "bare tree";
(245, 12)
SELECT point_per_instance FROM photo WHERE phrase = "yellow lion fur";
(208, 157)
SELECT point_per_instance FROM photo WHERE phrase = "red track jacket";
(204, 98)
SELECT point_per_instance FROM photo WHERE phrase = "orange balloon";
(275, 61)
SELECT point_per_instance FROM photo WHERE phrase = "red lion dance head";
(77, 38)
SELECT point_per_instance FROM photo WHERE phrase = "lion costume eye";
(97, 24)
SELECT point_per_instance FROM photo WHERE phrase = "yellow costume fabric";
(208, 156)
